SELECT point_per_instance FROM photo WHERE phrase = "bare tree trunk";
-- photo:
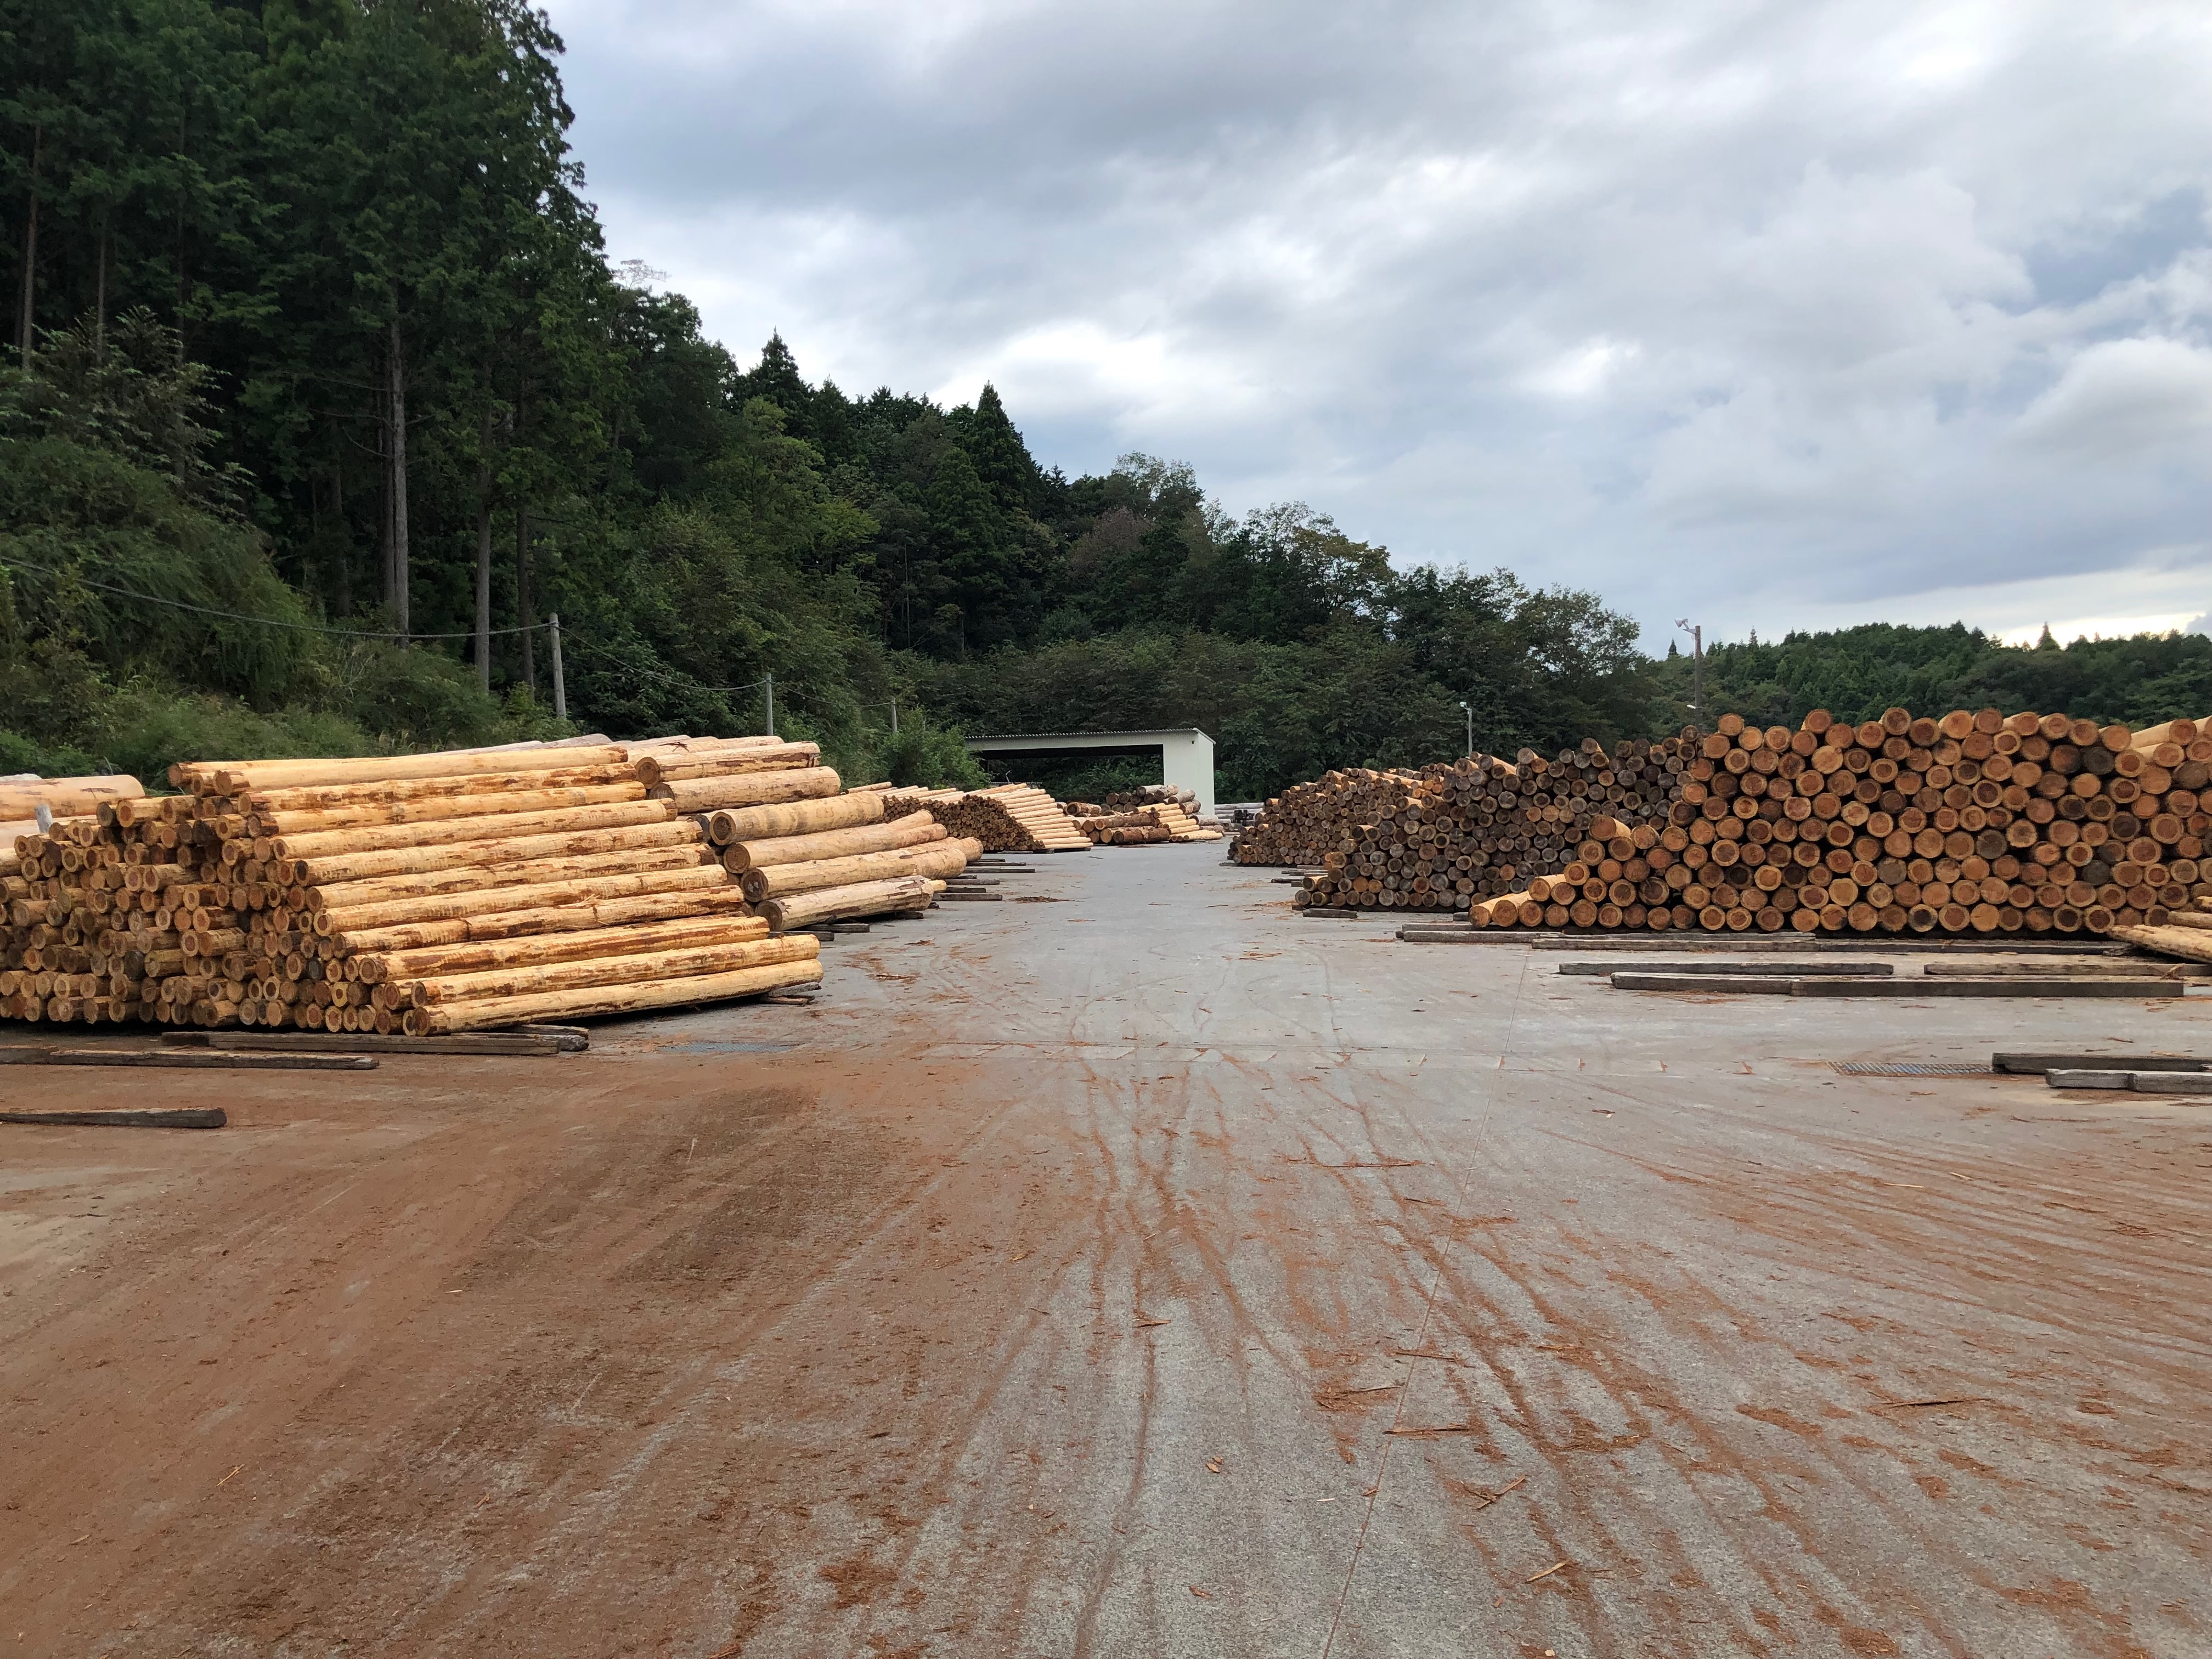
(522, 599)
(396, 570)
(484, 561)
(99, 297)
(23, 326)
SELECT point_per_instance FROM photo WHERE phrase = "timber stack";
(1440, 838)
(1976, 823)
(419, 893)
(842, 858)
(1011, 817)
(1163, 821)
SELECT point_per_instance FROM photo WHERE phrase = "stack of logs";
(1012, 817)
(1976, 823)
(424, 893)
(1163, 821)
(1442, 837)
(23, 794)
(836, 858)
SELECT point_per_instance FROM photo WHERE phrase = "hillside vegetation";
(320, 367)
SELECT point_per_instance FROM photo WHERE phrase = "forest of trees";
(315, 344)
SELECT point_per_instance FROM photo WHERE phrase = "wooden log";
(844, 903)
(492, 854)
(65, 797)
(749, 789)
(2190, 944)
(751, 824)
(416, 791)
(437, 808)
(353, 924)
(491, 1013)
(469, 878)
(912, 830)
(936, 859)
(725, 928)
(392, 837)
(668, 767)
(236, 777)
(690, 963)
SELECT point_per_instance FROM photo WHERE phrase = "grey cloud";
(1795, 308)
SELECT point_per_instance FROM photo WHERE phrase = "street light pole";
(1696, 664)
(1470, 729)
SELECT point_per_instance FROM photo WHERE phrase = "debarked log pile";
(806, 863)
(1975, 823)
(422, 893)
(1451, 833)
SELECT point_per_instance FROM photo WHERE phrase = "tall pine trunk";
(30, 297)
(484, 561)
(395, 559)
(522, 599)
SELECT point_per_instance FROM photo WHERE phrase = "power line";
(265, 622)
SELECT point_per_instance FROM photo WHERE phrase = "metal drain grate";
(1936, 1068)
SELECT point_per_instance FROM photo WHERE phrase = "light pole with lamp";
(1470, 728)
(1696, 664)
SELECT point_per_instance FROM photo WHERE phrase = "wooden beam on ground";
(159, 1117)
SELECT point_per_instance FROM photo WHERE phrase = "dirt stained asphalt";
(1137, 1270)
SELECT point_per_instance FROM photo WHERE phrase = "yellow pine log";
(802, 818)
(469, 879)
(65, 797)
(666, 766)
(911, 830)
(578, 917)
(519, 849)
(867, 898)
(437, 809)
(612, 815)
(2190, 944)
(687, 963)
(614, 877)
(326, 797)
(491, 1013)
(749, 788)
(234, 777)
(936, 859)
(477, 955)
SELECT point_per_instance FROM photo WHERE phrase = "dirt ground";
(1138, 1271)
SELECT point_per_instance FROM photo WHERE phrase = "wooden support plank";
(2141, 988)
(308, 1043)
(1786, 969)
(159, 1117)
(2031, 1065)
(204, 1060)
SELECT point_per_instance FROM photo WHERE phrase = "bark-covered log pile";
(1976, 823)
(425, 893)
(1442, 837)
(1012, 817)
(1164, 820)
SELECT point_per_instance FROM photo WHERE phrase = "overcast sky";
(1770, 315)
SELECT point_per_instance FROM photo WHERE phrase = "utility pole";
(895, 717)
(560, 685)
(770, 684)
(1470, 729)
(1696, 664)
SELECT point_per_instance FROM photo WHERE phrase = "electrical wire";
(266, 622)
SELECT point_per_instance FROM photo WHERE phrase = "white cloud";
(2124, 397)
(1822, 309)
